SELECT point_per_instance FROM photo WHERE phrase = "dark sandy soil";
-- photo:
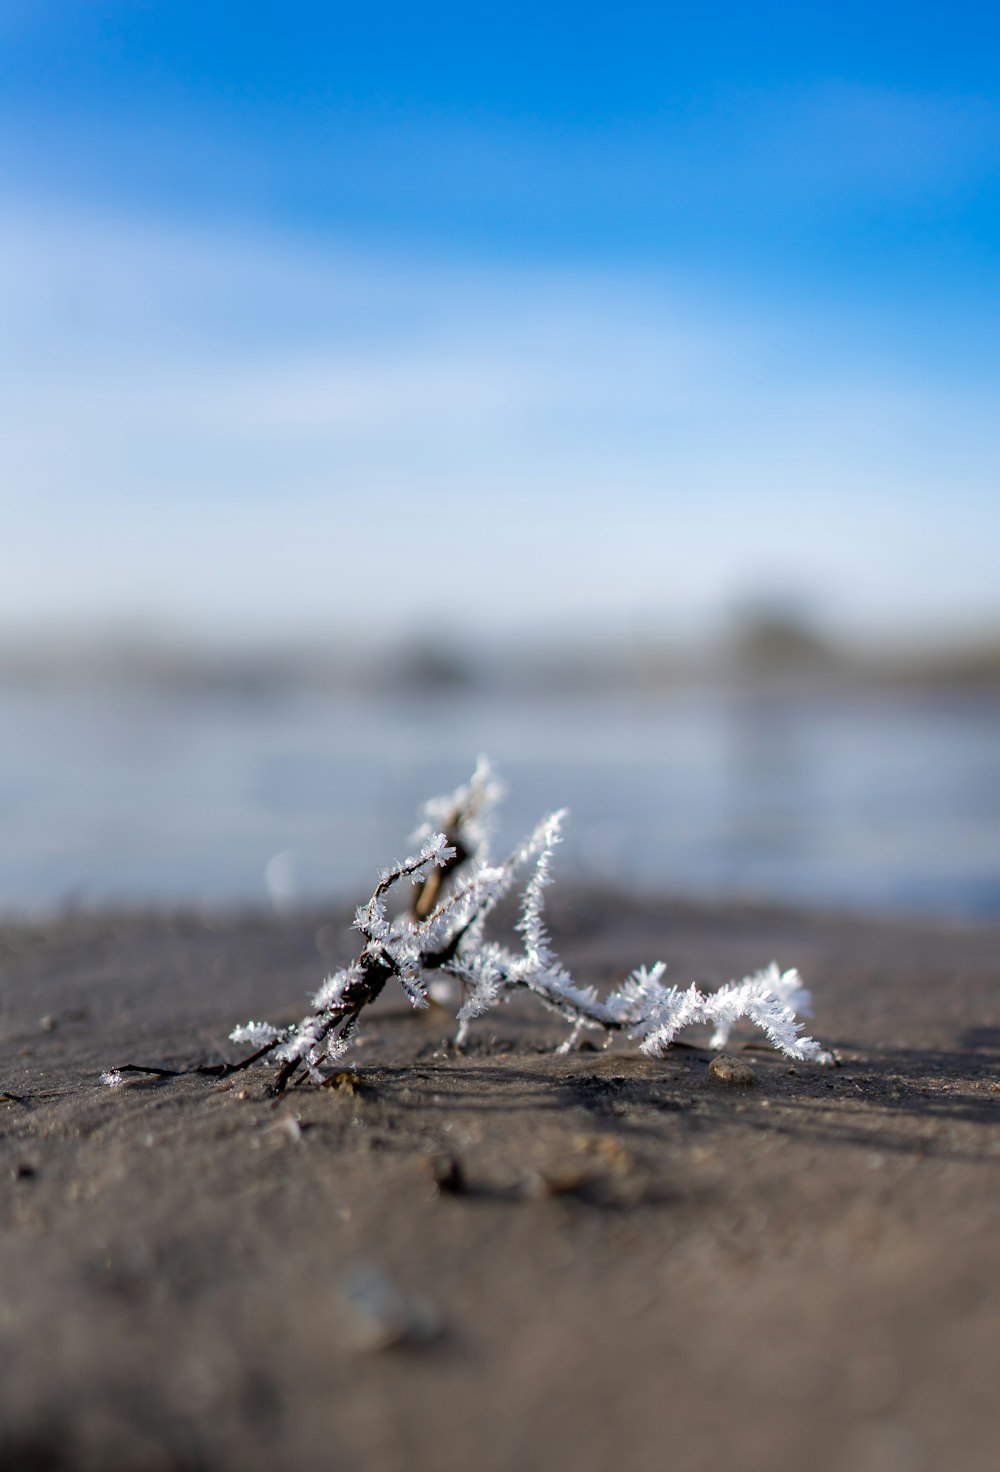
(511, 1259)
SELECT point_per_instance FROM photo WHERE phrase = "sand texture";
(509, 1259)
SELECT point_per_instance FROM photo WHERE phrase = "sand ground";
(510, 1259)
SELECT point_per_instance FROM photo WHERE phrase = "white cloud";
(264, 432)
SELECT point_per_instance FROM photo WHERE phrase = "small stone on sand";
(733, 1071)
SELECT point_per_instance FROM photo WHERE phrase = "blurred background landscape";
(615, 395)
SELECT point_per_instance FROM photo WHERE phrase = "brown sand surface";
(510, 1259)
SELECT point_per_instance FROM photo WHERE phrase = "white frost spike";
(670, 1011)
(784, 987)
(484, 976)
(335, 986)
(337, 1047)
(112, 1079)
(371, 919)
(789, 987)
(470, 903)
(256, 1034)
(532, 924)
(632, 1002)
(753, 999)
(302, 1039)
(473, 803)
(435, 851)
(414, 988)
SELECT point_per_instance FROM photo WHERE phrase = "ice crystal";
(255, 1033)
(467, 812)
(335, 986)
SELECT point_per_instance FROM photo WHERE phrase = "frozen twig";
(457, 888)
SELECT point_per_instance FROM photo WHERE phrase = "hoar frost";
(442, 936)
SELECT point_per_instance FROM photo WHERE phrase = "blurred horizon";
(766, 644)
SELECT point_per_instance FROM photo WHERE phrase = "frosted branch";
(445, 933)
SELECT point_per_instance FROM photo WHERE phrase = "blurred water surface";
(874, 801)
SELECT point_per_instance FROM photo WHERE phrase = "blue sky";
(627, 316)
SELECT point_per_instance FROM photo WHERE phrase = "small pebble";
(557, 1181)
(342, 1082)
(386, 1315)
(732, 1071)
